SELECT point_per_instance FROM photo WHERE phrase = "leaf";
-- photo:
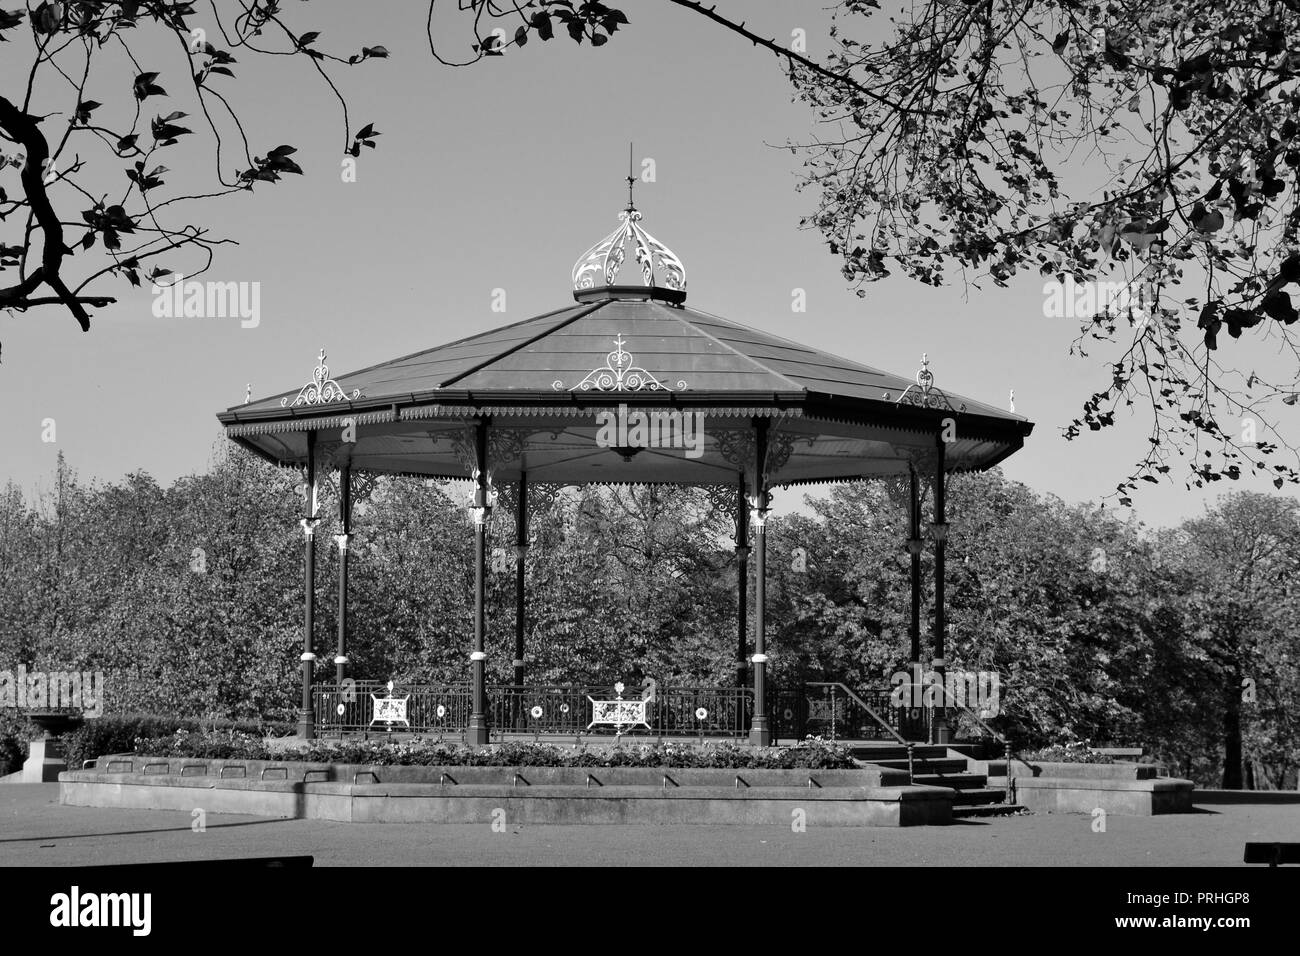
(145, 87)
(521, 36)
(308, 38)
(1278, 306)
(375, 51)
(1061, 41)
(1206, 220)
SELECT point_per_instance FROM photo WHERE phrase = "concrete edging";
(1146, 797)
(628, 796)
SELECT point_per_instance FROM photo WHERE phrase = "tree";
(953, 144)
(1236, 567)
(73, 212)
(1059, 601)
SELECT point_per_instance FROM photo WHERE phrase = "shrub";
(15, 733)
(1075, 752)
(118, 733)
(233, 745)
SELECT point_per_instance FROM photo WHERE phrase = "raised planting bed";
(373, 793)
(1135, 789)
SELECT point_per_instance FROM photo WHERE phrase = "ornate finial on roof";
(619, 374)
(923, 394)
(631, 180)
(322, 389)
(606, 257)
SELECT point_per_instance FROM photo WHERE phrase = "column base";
(942, 732)
(476, 734)
(306, 724)
(760, 734)
(45, 761)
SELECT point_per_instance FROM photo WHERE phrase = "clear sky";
(499, 176)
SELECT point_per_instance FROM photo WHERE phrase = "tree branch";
(25, 130)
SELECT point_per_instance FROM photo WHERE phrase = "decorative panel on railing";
(553, 710)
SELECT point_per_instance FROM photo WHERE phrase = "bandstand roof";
(541, 383)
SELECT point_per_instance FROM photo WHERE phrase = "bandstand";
(627, 385)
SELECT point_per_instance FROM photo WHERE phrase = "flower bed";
(812, 754)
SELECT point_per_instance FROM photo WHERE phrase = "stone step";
(987, 810)
(927, 765)
(957, 781)
(978, 796)
(873, 753)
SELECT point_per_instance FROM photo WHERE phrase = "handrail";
(997, 735)
(875, 716)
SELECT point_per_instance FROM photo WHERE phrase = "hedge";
(115, 734)
(812, 754)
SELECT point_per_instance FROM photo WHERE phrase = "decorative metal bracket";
(321, 390)
(619, 375)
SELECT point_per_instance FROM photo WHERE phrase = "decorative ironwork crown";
(321, 390)
(606, 257)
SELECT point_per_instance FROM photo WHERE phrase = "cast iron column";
(742, 585)
(760, 733)
(521, 552)
(941, 733)
(477, 731)
(306, 714)
(914, 535)
(345, 522)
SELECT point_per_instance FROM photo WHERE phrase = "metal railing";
(348, 708)
(532, 709)
(832, 710)
(1007, 752)
(827, 709)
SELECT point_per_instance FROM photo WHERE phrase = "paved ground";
(36, 830)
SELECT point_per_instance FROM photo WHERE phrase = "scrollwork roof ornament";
(924, 394)
(619, 374)
(321, 390)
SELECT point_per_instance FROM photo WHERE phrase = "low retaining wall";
(1125, 788)
(389, 794)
